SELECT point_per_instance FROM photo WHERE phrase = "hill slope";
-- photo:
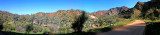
(144, 10)
(112, 11)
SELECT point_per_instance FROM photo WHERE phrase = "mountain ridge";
(112, 11)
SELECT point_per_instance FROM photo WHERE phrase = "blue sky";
(33, 6)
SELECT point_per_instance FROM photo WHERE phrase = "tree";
(136, 13)
(29, 28)
(152, 14)
(14, 18)
(1, 24)
(126, 14)
(101, 20)
(78, 23)
(152, 17)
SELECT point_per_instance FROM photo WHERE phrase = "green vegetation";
(110, 27)
(77, 22)
(62, 22)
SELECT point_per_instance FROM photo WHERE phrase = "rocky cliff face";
(139, 5)
(117, 10)
(112, 11)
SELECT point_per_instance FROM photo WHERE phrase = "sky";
(23, 7)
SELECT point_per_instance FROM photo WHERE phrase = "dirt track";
(135, 28)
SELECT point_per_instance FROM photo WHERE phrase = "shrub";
(37, 29)
(29, 28)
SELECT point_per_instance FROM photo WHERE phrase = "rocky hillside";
(61, 12)
(144, 10)
(112, 11)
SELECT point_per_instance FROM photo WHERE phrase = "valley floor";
(135, 28)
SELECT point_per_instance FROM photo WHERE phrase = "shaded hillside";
(112, 11)
(144, 10)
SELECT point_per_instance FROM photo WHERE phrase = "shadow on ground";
(91, 32)
(14, 33)
(152, 28)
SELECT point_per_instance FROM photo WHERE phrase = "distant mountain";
(112, 11)
(72, 12)
(61, 12)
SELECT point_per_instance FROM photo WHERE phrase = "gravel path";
(135, 28)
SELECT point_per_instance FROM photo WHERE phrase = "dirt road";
(135, 28)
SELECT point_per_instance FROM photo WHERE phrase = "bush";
(37, 29)
(29, 28)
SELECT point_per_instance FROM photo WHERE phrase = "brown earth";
(135, 28)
